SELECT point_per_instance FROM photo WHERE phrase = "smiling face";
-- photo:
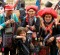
(31, 12)
(48, 18)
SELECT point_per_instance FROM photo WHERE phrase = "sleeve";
(2, 26)
(37, 25)
(15, 18)
(3, 19)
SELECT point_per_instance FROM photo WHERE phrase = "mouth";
(47, 20)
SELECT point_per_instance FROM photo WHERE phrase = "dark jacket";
(23, 48)
(36, 22)
(55, 31)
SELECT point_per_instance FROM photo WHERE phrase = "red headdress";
(40, 12)
(9, 7)
(47, 11)
(32, 7)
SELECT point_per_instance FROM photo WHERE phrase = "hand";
(24, 39)
(34, 35)
(32, 27)
(27, 26)
(41, 44)
(7, 22)
(21, 37)
(58, 23)
(50, 39)
(12, 21)
(31, 45)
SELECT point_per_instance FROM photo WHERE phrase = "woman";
(32, 22)
(48, 30)
(10, 27)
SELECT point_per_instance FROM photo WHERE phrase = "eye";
(46, 16)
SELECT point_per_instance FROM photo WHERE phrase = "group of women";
(38, 29)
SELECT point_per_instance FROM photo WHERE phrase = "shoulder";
(13, 14)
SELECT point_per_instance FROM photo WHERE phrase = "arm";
(3, 25)
(21, 37)
(15, 3)
(15, 17)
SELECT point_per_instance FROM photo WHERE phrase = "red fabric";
(2, 49)
(27, 19)
(44, 51)
(58, 40)
(47, 11)
(48, 27)
(32, 7)
(40, 12)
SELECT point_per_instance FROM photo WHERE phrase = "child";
(22, 41)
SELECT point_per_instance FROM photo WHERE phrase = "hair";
(20, 29)
(48, 4)
(23, 5)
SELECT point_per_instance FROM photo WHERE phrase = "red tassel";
(34, 53)
(2, 49)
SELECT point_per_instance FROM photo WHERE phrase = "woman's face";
(48, 18)
(9, 12)
(31, 12)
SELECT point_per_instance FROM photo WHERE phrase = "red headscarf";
(9, 7)
(32, 7)
(47, 11)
